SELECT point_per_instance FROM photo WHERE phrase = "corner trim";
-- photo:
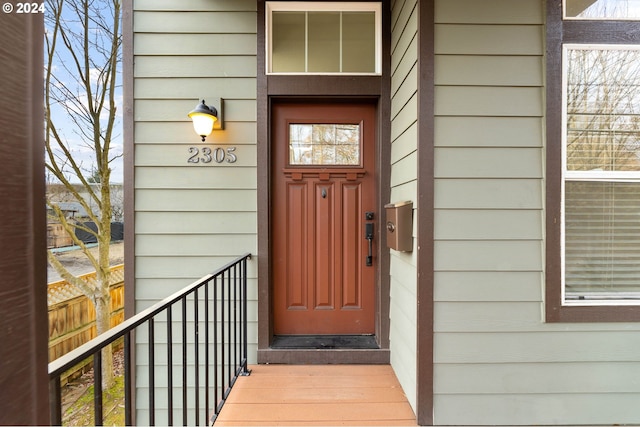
(425, 213)
(129, 172)
(129, 151)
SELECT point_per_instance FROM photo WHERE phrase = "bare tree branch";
(83, 42)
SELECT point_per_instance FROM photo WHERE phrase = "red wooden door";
(323, 185)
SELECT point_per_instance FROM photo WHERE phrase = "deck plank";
(311, 395)
(317, 395)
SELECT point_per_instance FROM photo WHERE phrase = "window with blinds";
(601, 194)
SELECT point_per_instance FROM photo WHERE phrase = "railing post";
(216, 375)
(196, 350)
(169, 366)
(222, 336)
(207, 394)
(245, 334)
(97, 388)
(128, 410)
(55, 401)
(231, 373)
(235, 319)
(184, 361)
(152, 376)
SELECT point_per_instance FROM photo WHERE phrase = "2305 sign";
(208, 155)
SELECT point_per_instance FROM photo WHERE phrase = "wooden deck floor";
(328, 395)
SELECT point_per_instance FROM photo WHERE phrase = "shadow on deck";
(317, 395)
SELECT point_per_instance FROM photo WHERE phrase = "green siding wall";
(404, 163)
(496, 361)
(191, 218)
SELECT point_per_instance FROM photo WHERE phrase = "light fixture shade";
(203, 118)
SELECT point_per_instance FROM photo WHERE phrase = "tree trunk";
(103, 323)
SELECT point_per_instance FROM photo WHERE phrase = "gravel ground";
(77, 262)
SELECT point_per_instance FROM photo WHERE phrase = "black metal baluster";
(196, 341)
(222, 337)
(206, 350)
(152, 379)
(97, 388)
(128, 410)
(169, 366)
(184, 360)
(229, 329)
(235, 319)
(216, 376)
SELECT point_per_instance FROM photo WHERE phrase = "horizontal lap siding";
(404, 187)
(192, 218)
(496, 361)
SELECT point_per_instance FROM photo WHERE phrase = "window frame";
(562, 32)
(313, 6)
(587, 175)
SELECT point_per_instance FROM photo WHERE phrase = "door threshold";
(324, 342)
(326, 356)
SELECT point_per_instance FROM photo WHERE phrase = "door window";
(324, 144)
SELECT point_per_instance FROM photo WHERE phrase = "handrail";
(228, 285)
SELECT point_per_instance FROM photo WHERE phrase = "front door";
(324, 214)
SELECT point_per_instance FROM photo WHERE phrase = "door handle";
(368, 234)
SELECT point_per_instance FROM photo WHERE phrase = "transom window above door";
(323, 38)
(602, 9)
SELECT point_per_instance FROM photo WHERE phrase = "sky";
(79, 145)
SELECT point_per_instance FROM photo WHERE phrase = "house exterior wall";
(496, 360)
(404, 118)
(192, 218)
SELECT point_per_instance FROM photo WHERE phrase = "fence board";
(72, 315)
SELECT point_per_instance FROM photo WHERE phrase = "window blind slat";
(602, 237)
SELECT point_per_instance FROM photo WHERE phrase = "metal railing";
(213, 343)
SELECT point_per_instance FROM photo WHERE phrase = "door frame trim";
(335, 88)
(298, 187)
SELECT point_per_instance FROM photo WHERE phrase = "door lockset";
(368, 234)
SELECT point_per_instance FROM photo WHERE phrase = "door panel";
(296, 246)
(351, 254)
(323, 182)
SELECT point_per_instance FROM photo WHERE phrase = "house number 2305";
(207, 155)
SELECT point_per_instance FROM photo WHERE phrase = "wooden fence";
(72, 315)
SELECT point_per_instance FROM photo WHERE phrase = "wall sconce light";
(205, 119)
